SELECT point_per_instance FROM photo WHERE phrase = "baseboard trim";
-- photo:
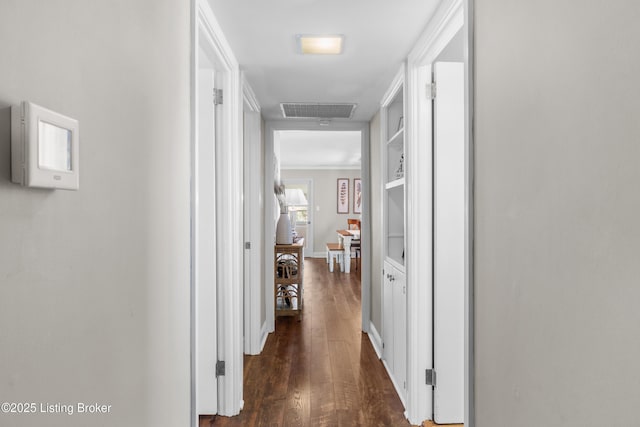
(375, 339)
(264, 334)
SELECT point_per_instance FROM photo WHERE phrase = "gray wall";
(94, 284)
(376, 223)
(326, 220)
(557, 232)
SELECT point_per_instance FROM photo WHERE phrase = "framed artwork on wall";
(357, 196)
(343, 195)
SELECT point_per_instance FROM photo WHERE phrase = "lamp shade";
(295, 197)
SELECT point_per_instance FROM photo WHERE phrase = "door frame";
(207, 35)
(449, 18)
(203, 240)
(269, 212)
(253, 206)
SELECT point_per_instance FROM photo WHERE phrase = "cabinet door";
(398, 284)
(387, 317)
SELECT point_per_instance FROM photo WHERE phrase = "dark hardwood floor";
(320, 371)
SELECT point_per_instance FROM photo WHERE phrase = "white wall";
(94, 284)
(557, 232)
(326, 220)
(265, 203)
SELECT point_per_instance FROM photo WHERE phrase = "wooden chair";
(354, 224)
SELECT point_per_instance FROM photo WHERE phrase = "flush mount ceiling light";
(309, 44)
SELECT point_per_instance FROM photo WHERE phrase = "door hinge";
(220, 368)
(382, 345)
(217, 97)
(430, 377)
(247, 245)
(431, 90)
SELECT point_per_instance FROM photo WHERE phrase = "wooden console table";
(288, 273)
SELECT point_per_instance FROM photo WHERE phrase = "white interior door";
(252, 232)
(204, 251)
(449, 254)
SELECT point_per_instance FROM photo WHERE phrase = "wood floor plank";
(272, 414)
(323, 405)
(298, 409)
(321, 370)
(344, 383)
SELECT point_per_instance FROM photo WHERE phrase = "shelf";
(394, 298)
(288, 274)
(397, 138)
(395, 264)
(395, 183)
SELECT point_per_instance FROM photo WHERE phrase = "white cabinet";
(394, 301)
(395, 326)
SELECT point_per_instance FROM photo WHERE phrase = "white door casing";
(253, 208)
(448, 19)
(224, 180)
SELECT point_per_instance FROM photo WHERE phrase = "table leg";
(346, 258)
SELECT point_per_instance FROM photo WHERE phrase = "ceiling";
(318, 149)
(378, 35)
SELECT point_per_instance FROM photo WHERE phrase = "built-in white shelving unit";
(394, 298)
(393, 158)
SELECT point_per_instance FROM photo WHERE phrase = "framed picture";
(343, 195)
(357, 196)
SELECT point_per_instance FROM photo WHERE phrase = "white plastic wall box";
(44, 148)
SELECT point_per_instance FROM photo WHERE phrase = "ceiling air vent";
(309, 110)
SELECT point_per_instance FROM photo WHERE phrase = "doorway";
(253, 204)
(216, 231)
(324, 228)
(310, 163)
(443, 147)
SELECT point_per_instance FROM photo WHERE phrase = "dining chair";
(354, 224)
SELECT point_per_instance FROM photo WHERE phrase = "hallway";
(321, 371)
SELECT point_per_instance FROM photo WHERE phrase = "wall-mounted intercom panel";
(44, 148)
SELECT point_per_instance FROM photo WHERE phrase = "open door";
(449, 242)
(204, 241)
(253, 212)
